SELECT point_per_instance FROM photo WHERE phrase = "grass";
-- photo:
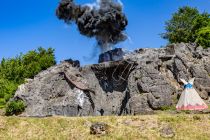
(185, 126)
(168, 108)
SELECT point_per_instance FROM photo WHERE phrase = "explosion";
(103, 20)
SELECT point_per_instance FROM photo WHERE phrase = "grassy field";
(151, 127)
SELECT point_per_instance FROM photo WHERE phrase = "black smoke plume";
(105, 20)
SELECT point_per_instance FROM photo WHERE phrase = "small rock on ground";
(99, 128)
(167, 132)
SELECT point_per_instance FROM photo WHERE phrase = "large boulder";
(143, 81)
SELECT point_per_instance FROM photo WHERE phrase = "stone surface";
(144, 81)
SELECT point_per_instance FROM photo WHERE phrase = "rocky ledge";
(144, 81)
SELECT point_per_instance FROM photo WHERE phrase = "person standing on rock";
(190, 99)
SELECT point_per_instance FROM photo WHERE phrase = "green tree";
(201, 22)
(14, 71)
(186, 25)
(35, 61)
(178, 29)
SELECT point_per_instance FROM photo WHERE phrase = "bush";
(15, 107)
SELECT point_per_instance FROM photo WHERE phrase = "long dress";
(190, 99)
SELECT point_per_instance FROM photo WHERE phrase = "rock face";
(143, 81)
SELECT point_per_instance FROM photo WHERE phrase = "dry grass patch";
(121, 128)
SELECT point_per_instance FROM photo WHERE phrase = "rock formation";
(145, 80)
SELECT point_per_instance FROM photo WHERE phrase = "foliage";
(203, 37)
(15, 107)
(188, 25)
(179, 27)
(14, 71)
(34, 61)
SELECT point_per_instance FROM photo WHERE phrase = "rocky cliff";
(143, 81)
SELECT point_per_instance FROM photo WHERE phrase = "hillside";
(159, 126)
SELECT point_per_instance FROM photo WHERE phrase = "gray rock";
(99, 129)
(138, 104)
(144, 81)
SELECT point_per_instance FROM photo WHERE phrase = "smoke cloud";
(103, 20)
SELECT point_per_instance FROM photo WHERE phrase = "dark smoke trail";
(105, 21)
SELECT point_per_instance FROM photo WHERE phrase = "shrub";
(15, 107)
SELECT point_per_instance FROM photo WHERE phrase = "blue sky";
(28, 24)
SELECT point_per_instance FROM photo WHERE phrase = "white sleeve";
(191, 81)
